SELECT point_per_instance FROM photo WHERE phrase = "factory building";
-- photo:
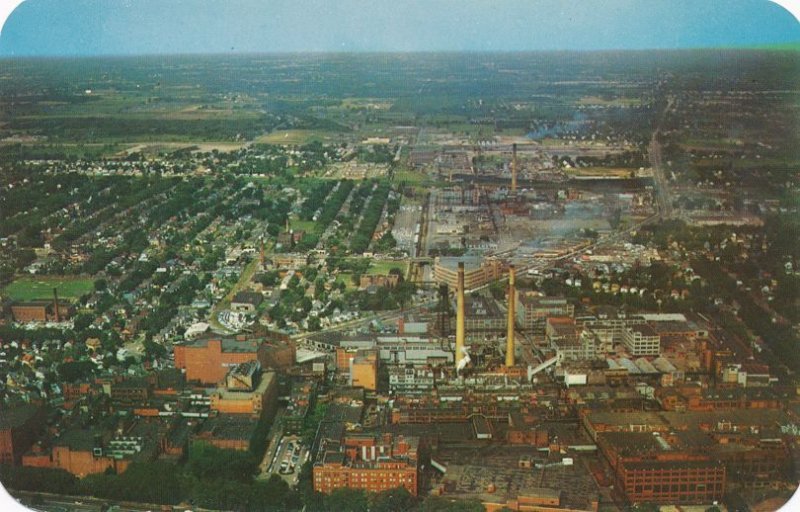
(532, 311)
(41, 311)
(208, 359)
(247, 390)
(369, 462)
(641, 340)
(478, 271)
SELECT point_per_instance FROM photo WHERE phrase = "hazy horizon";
(84, 28)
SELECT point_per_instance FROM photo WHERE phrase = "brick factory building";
(41, 311)
(207, 360)
(246, 391)
(369, 462)
(691, 457)
(647, 468)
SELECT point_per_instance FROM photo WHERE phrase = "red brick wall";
(332, 477)
(82, 463)
(208, 364)
(29, 313)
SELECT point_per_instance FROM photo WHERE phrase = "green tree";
(82, 321)
(347, 500)
(392, 500)
(207, 461)
(24, 478)
(73, 371)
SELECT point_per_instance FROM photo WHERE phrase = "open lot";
(297, 137)
(383, 267)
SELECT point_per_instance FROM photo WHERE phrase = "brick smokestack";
(511, 316)
(460, 314)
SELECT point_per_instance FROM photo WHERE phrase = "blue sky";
(129, 27)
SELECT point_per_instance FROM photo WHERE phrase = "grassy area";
(302, 225)
(35, 288)
(296, 137)
(347, 279)
(616, 102)
(411, 177)
(383, 267)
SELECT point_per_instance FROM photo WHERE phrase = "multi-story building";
(477, 271)
(691, 457)
(408, 379)
(208, 359)
(369, 462)
(482, 318)
(568, 341)
(247, 391)
(641, 340)
(648, 468)
(673, 482)
(300, 401)
(533, 310)
(130, 391)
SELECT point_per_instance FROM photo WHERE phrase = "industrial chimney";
(514, 168)
(261, 253)
(511, 316)
(460, 315)
(55, 305)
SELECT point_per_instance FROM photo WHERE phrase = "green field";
(302, 225)
(383, 267)
(294, 137)
(411, 177)
(347, 279)
(34, 288)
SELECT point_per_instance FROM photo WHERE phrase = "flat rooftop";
(228, 344)
(228, 426)
(572, 485)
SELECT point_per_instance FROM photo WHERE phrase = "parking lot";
(288, 459)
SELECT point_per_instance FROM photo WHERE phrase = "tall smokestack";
(55, 304)
(460, 314)
(511, 316)
(287, 224)
(514, 168)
